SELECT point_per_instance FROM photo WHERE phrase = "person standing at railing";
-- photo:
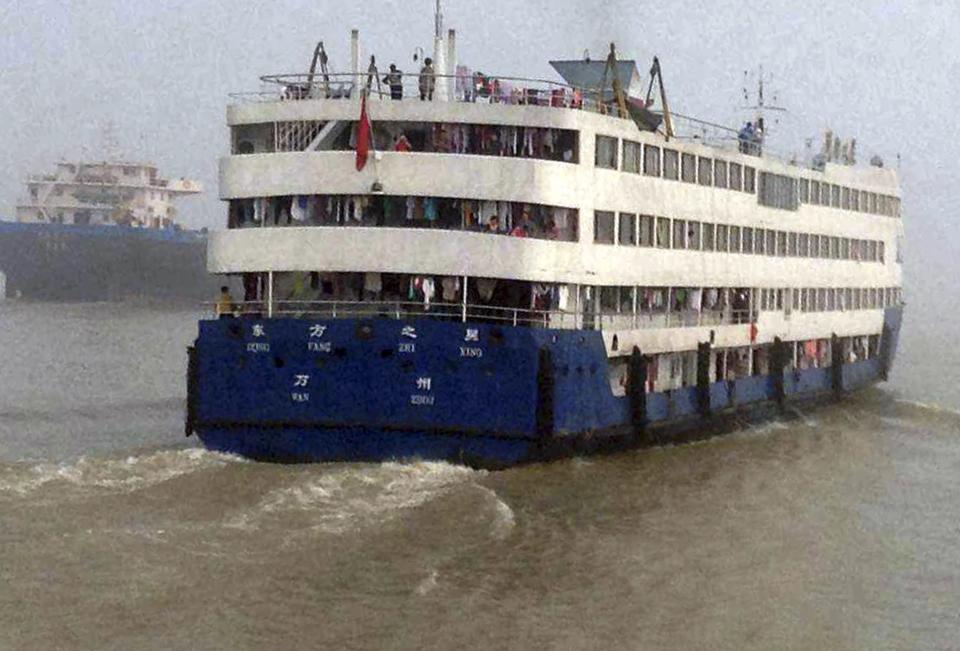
(224, 303)
(394, 79)
(427, 80)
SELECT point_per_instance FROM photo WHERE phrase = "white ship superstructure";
(104, 193)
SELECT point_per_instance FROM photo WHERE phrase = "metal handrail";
(340, 85)
(558, 319)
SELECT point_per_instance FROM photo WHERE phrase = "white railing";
(556, 319)
(488, 90)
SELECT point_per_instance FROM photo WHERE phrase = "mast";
(439, 57)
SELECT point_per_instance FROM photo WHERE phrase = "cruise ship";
(488, 270)
(103, 230)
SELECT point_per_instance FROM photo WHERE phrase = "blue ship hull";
(296, 390)
(94, 263)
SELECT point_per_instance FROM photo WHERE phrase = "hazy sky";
(160, 73)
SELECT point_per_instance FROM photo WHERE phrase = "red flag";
(363, 134)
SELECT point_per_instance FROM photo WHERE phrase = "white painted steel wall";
(580, 186)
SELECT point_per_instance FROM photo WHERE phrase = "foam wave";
(429, 584)
(131, 473)
(349, 497)
(503, 518)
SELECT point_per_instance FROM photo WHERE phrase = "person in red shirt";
(401, 144)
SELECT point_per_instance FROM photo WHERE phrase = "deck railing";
(464, 312)
(453, 88)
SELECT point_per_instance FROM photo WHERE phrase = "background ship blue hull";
(488, 396)
(94, 263)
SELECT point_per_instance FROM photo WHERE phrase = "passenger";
(427, 80)
(522, 229)
(551, 231)
(394, 79)
(746, 138)
(224, 303)
(402, 144)
(493, 226)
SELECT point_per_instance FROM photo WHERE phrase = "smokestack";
(452, 63)
(355, 59)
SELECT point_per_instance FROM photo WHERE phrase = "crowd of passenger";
(495, 217)
(471, 86)
(487, 140)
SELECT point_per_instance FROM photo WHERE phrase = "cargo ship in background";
(94, 231)
(492, 270)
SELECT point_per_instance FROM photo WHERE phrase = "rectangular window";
(824, 247)
(834, 248)
(815, 192)
(651, 160)
(627, 233)
(693, 235)
(804, 190)
(704, 171)
(679, 234)
(835, 196)
(880, 251)
(607, 152)
(804, 245)
(771, 242)
(747, 239)
(626, 300)
(778, 191)
(872, 251)
(845, 198)
(671, 164)
(760, 242)
(689, 171)
(631, 157)
(792, 245)
(663, 232)
(609, 300)
(873, 202)
(646, 230)
(734, 239)
(855, 200)
(749, 180)
(831, 300)
(709, 237)
(720, 174)
(603, 227)
(781, 243)
(736, 177)
(845, 249)
(723, 238)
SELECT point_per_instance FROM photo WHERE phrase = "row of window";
(651, 160)
(630, 229)
(839, 299)
(627, 299)
(776, 190)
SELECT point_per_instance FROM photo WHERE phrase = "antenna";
(759, 105)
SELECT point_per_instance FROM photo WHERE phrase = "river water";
(833, 529)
